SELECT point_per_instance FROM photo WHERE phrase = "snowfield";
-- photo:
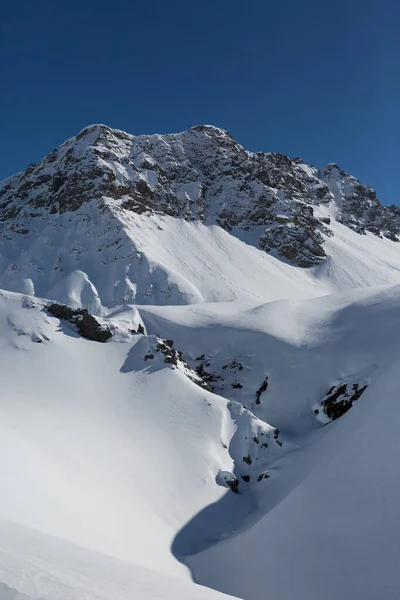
(121, 455)
(38, 566)
(238, 426)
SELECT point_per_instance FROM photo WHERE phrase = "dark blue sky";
(312, 78)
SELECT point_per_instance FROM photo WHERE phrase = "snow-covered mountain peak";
(136, 218)
(200, 366)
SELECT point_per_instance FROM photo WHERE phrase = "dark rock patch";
(233, 366)
(234, 485)
(206, 376)
(175, 357)
(276, 437)
(85, 323)
(340, 399)
(261, 389)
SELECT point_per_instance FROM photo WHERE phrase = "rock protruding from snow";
(85, 323)
(339, 400)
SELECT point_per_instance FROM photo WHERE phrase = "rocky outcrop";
(263, 388)
(359, 207)
(339, 400)
(86, 325)
(175, 358)
(201, 174)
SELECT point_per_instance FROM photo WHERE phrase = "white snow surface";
(118, 472)
(164, 260)
(121, 455)
(36, 566)
(324, 525)
(102, 449)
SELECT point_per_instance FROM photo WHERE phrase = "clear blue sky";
(318, 79)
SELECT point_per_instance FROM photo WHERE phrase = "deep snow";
(123, 478)
(330, 502)
(121, 455)
(36, 566)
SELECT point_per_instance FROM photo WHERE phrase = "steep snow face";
(109, 218)
(319, 494)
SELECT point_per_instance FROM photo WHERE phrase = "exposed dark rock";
(86, 324)
(326, 220)
(263, 476)
(170, 356)
(206, 376)
(246, 478)
(234, 485)
(261, 389)
(149, 356)
(247, 460)
(340, 399)
(175, 357)
(276, 437)
(234, 366)
(236, 386)
(268, 192)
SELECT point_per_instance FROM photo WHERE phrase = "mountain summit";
(85, 224)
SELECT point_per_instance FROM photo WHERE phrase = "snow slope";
(125, 475)
(99, 447)
(330, 500)
(34, 565)
(168, 261)
(123, 455)
(336, 534)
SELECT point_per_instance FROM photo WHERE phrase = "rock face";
(358, 205)
(86, 324)
(92, 184)
(339, 400)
